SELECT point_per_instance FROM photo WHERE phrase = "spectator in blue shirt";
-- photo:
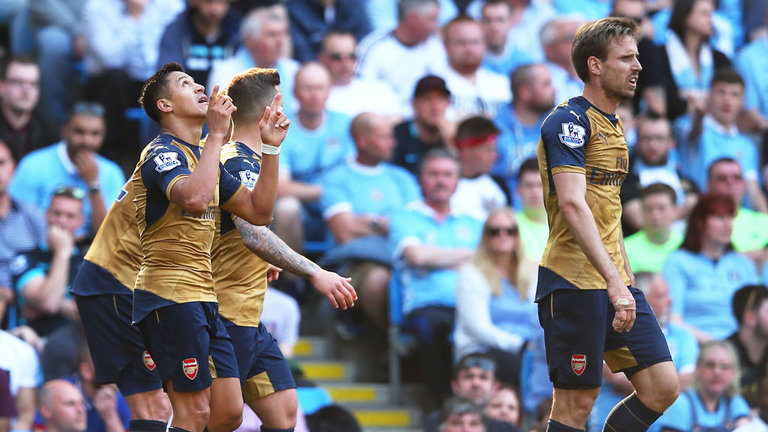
(752, 62)
(501, 56)
(705, 271)
(318, 141)
(716, 135)
(713, 403)
(533, 97)
(73, 162)
(430, 241)
(358, 199)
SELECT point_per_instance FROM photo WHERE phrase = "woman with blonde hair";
(713, 403)
(494, 312)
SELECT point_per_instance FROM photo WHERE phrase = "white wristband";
(270, 149)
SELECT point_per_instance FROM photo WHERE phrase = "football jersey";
(116, 246)
(176, 245)
(240, 277)
(579, 138)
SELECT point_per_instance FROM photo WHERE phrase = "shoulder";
(40, 155)
(375, 40)
(570, 113)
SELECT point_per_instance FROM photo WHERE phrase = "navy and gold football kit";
(103, 290)
(574, 308)
(174, 303)
(240, 280)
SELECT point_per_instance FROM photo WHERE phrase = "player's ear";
(164, 105)
(595, 65)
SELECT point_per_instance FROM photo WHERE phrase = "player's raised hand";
(624, 305)
(337, 289)
(274, 124)
(220, 109)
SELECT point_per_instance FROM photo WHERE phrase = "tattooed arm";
(269, 247)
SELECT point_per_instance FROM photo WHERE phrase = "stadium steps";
(369, 402)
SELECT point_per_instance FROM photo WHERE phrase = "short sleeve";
(28, 366)
(163, 167)
(246, 172)
(403, 232)
(229, 186)
(565, 134)
(334, 199)
(751, 85)
(739, 407)
(689, 352)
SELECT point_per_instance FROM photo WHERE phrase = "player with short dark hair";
(179, 187)
(587, 307)
(240, 277)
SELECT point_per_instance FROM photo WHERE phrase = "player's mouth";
(203, 99)
(633, 82)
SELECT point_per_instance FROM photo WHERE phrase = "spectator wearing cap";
(478, 192)
(429, 128)
(474, 382)
(750, 308)
(475, 90)
(41, 277)
(73, 162)
(352, 95)
(403, 55)
(533, 97)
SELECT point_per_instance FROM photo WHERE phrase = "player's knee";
(159, 407)
(666, 393)
(227, 422)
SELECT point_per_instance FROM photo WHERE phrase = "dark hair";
(593, 39)
(748, 297)
(680, 11)
(11, 151)
(528, 165)
(658, 188)
(476, 126)
(251, 91)
(332, 418)
(21, 59)
(719, 161)
(726, 75)
(708, 205)
(156, 88)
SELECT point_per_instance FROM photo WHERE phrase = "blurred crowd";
(410, 165)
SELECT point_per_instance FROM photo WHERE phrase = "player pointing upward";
(587, 307)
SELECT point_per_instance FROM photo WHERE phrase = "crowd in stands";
(410, 165)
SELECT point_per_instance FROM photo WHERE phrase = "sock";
(268, 429)
(630, 415)
(178, 429)
(554, 426)
(147, 426)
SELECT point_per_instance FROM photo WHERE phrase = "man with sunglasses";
(349, 94)
(73, 161)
